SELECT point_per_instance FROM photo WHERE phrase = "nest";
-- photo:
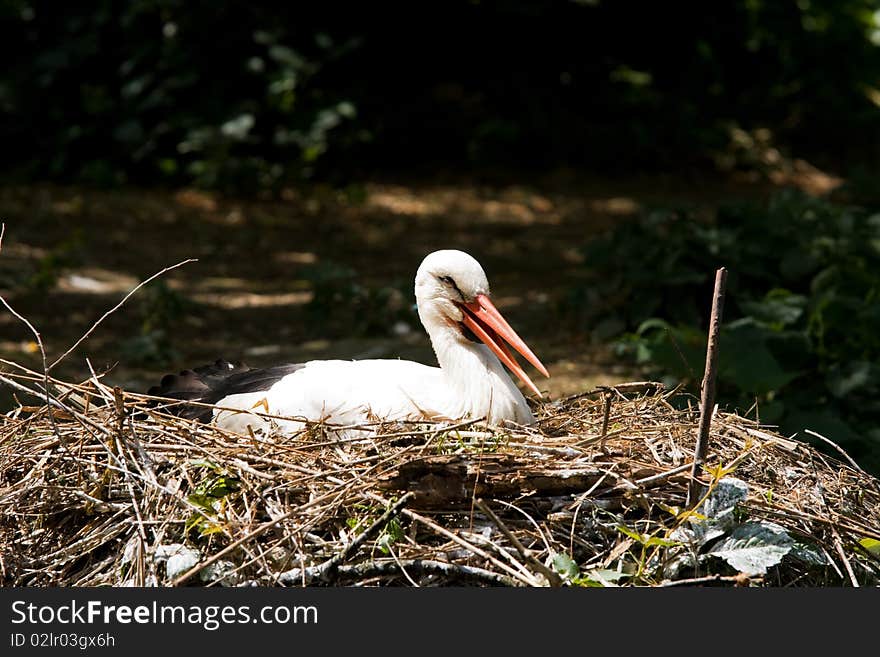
(99, 487)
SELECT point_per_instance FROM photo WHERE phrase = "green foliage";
(160, 307)
(752, 548)
(340, 297)
(166, 90)
(209, 496)
(872, 545)
(570, 572)
(801, 336)
(719, 529)
(392, 533)
(716, 536)
(256, 95)
(564, 565)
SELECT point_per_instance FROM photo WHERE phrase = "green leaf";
(746, 361)
(207, 527)
(384, 543)
(391, 534)
(178, 558)
(600, 577)
(872, 545)
(202, 501)
(728, 492)
(823, 422)
(846, 378)
(222, 486)
(239, 127)
(679, 350)
(565, 565)
(809, 553)
(653, 323)
(754, 547)
(662, 542)
(634, 535)
(778, 308)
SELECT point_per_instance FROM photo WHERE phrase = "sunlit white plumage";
(452, 295)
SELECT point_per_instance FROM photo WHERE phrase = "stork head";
(452, 293)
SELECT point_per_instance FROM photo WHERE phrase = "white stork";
(468, 335)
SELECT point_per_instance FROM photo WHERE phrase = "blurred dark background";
(245, 95)
(601, 157)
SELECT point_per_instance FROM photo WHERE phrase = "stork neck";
(479, 384)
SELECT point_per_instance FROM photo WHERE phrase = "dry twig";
(707, 396)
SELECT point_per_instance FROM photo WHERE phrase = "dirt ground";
(69, 254)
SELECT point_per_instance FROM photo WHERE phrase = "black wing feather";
(209, 384)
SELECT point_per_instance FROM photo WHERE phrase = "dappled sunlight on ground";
(512, 205)
(296, 258)
(70, 254)
(805, 176)
(194, 199)
(234, 300)
(93, 280)
(616, 206)
(398, 200)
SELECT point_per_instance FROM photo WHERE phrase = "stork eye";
(450, 282)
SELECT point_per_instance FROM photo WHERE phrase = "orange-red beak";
(484, 321)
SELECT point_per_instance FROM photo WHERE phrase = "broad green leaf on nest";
(391, 534)
(872, 545)
(646, 540)
(809, 554)
(633, 534)
(600, 577)
(750, 547)
(177, 558)
(721, 502)
(754, 547)
(564, 565)
(715, 516)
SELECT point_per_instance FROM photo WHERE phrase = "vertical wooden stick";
(119, 403)
(707, 396)
(606, 416)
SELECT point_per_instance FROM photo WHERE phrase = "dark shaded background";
(246, 95)
(600, 158)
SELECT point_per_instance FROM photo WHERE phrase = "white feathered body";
(348, 394)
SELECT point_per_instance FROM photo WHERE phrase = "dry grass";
(101, 491)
